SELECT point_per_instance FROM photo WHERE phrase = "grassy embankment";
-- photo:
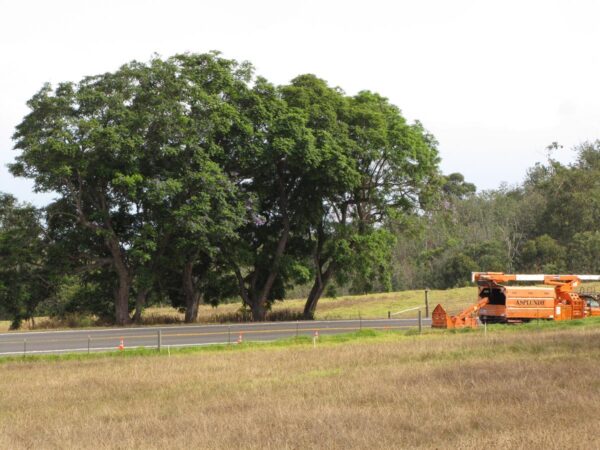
(523, 386)
(366, 306)
(346, 307)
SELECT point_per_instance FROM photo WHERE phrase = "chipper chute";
(440, 318)
(468, 318)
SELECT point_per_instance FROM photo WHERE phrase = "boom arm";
(501, 277)
(472, 309)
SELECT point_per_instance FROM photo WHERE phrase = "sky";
(495, 81)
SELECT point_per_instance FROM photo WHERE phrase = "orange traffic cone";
(121, 345)
(240, 338)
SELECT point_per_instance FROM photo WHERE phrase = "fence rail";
(191, 335)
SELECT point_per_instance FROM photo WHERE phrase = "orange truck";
(499, 303)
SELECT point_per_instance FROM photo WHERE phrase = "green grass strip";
(305, 341)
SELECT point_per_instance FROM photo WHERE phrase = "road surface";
(43, 342)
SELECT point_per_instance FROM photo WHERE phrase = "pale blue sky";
(494, 81)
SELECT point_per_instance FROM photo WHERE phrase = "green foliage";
(368, 267)
(455, 186)
(135, 157)
(546, 225)
(544, 255)
(25, 278)
(457, 270)
(572, 194)
(392, 167)
(188, 179)
(585, 248)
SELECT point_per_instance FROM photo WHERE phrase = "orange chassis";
(496, 302)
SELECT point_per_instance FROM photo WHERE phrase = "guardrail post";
(426, 302)
(159, 337)
(420, 324)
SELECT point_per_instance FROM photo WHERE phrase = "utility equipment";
(497, 303)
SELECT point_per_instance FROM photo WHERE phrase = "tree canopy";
(191, 168)
(189, 180)
(133, 156)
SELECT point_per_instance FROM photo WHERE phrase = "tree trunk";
(122, 301)
(259, 311)
(192, 297)
(279, 252)
(191, 310)
(122, 291)
(321, 281)
(15, 324)
(311, 302)
(140, 302)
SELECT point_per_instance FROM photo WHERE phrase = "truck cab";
(495, 309)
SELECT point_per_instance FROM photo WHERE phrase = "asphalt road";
(41, 342)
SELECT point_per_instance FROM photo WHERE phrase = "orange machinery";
(498, 303)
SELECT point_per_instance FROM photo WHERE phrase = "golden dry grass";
(536, 389)
(4, 324)
(354, 306)
(346, 307)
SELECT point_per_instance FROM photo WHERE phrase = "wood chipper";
(497, 303)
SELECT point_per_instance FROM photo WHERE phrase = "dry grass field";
(346, 307)
(521, 388)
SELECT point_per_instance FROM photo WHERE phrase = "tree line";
(190, 180)
(549, 223)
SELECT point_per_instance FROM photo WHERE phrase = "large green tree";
(131, 155)
(274, 172)
(393, 170)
